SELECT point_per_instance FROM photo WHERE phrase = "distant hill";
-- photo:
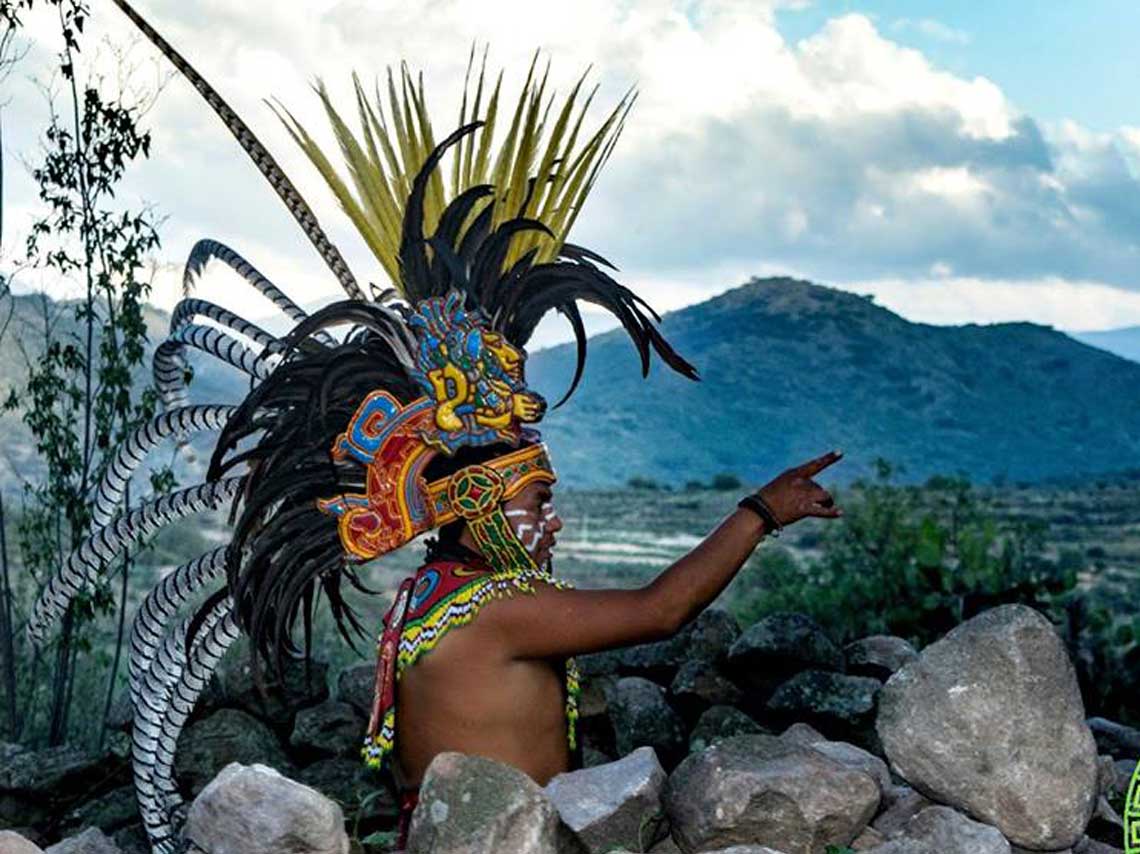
(790, 369)
(1124, 342)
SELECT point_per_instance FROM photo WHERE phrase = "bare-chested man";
(495, 688)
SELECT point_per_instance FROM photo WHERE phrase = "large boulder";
(108, 812)
(989, 719)
(642, 718)
(255, 810)
(90, 841)
(332, 728)
(618, 803)
(474, 805)
(759, 789)
(358, 789)
(711, 635)
(50, 772)
(857, 759)
(878, 656)
(226, 736)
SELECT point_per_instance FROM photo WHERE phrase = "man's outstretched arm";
(571, 622)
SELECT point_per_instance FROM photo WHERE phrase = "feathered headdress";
(325, 462)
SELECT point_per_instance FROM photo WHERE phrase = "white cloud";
(843, 157)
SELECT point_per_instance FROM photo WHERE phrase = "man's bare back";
(469, 694)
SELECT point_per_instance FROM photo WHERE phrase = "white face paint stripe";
(512, 513)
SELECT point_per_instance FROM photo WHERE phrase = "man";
(376, 420)
(495, 688)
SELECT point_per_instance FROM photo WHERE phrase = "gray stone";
(254, 810)
(878, 656)
(226, 736)
(782, 644)
(331, 728)
(868, 838)
(90, 841)
(1014, 849)
(472, 804)
(594, 724)
(711, 635)
(1106, 825)
(947, 831)
(1117, 740)
(989, 719)
(614, 804)
(805, 735)
(832, 700)
(1122, 771)
(642, 718)
(857, 759)
(699, 685)
(900, 804)
(132, 839)
(50, 772)
(355, 685)
(1091, 846)
(108, 812)
(721, 722)
(13, 843)
(759, 789)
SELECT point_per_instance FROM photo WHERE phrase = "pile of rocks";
(768, 740)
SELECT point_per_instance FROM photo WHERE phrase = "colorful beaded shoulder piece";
(440, 596)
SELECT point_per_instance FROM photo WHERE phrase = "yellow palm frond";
(538, 170)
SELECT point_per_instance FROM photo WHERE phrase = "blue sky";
(1056, 60)
(962, 162)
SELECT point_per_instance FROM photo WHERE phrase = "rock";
(594, 724)
(900, 804)
(759, 789)
(989, 720)
(699, 685)
(234, 686)
(355, 685)
(878, 656)
(947, 831)
(642, 718)
(1106, 825)
(1117, 740)
(613, 804)
(606, 663)
(1014, 849)
(857, 759)
(122, 713)
(331, 728)
(834, 702)
(805, 735)
(108, 812)
(227, 736)
(255, 810)
(782, 644)
(592, 758)
(657, 661)
(1122, 772)
(132, 839)
(711, 635)
(721, 722)
(13, 843)
(52, 772)
(350, 783)
(1091, 846)
(868, 838)
(472, 804)
(90, 841)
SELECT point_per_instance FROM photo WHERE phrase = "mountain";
(1124, 342)
(791, 369)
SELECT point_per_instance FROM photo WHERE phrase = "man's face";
(532, 516)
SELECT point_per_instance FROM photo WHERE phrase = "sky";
(962, 162)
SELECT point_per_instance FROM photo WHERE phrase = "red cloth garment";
(408, 800)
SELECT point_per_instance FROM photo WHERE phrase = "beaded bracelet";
(760, 507)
